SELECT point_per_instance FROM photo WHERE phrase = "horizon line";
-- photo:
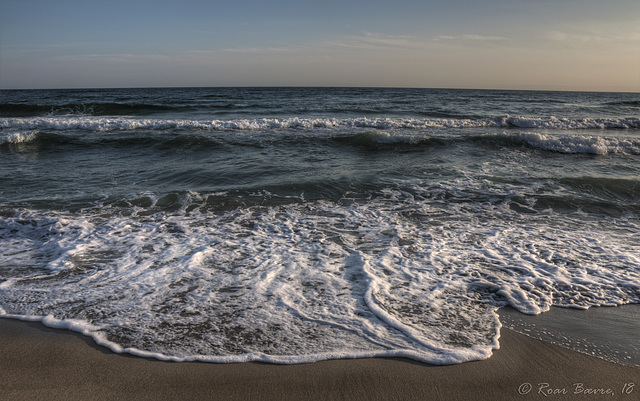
(321, 87)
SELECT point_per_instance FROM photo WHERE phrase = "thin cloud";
(588, 37)
(370, 40)
(469, 37)
(113, 58)
(259, 50)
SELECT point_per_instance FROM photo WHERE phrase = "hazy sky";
(503, 44)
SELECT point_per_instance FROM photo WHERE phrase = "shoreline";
(37, 362)
(607, 332)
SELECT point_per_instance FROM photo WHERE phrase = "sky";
(587, 45)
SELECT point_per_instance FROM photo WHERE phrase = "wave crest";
(127, 123)
(596, 145)
(569, 123)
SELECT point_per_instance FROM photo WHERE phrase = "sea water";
(291, 225)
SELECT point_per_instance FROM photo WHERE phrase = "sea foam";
(597, 145)
(103, 124)
(391, 276)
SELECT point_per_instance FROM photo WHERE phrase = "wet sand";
(39, 363)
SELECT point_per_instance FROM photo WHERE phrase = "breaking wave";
(372, 140)
(103, 124)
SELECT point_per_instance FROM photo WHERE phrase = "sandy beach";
(38, 363)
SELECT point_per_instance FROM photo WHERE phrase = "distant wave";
(38, 140)
(86, 109)
(625, 103)
(568, 123)
(118, 109)
(595, 145)
(374, 140)
(569, 144)
(94, 123)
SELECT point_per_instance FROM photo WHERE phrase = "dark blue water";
(297, 224)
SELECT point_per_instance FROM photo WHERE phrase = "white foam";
(103, 124)
(598, 145)
(391, 276)
(557, 123)
(20, 137)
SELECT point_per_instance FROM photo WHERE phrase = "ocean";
(291, 225)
